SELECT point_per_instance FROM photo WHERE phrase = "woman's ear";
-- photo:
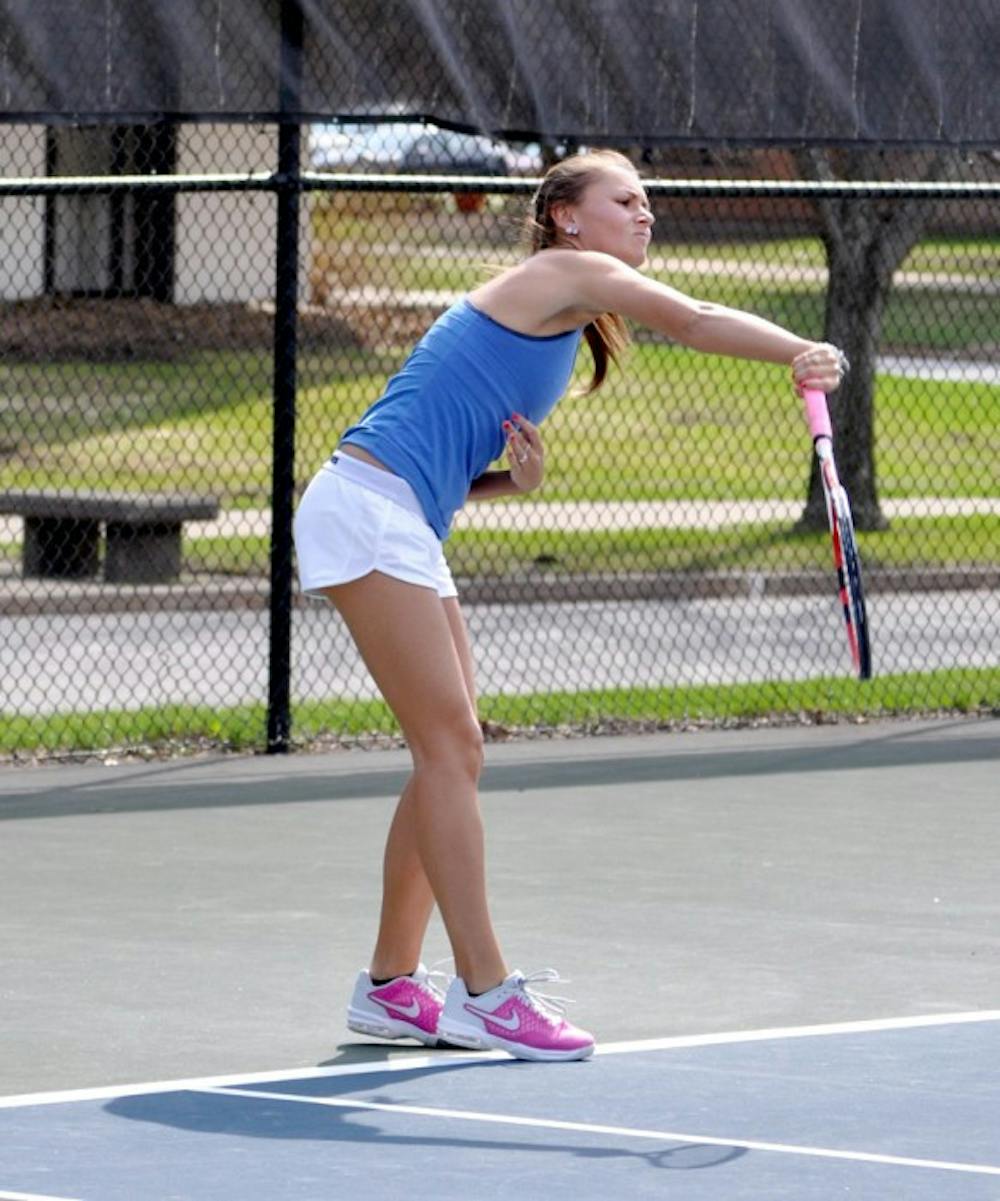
(562, 215)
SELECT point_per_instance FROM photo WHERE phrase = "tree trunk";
(866, 240)
(855, 301)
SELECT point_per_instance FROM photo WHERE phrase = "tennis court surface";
(785, 940)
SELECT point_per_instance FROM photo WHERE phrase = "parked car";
(357, 146)
(416, 147)
(445, 152)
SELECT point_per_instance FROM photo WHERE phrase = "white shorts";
(354, 519)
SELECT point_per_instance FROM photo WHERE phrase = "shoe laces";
(438, 977)
(547, 1004)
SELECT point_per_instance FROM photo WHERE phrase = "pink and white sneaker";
(406, 1007)
(515, 1018)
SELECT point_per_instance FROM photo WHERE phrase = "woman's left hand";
(525, 453)
(822, 366)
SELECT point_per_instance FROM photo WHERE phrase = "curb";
(196, 594)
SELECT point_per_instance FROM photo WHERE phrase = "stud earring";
(572, 229)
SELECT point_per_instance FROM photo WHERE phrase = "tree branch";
(814, 165)
(908, 219)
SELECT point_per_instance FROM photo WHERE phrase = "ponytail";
(608, 338)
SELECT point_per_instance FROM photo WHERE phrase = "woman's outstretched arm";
(599, 283)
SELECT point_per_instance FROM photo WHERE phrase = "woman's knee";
(464, 744)
(455, 745)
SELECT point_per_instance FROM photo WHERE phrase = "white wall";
(22, 222)
(225, 241)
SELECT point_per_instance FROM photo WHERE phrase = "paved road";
(127, 660)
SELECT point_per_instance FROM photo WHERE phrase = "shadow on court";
(237, 1116)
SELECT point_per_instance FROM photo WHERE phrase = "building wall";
(22, 222)
(225, 241)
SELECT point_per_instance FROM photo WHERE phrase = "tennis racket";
(845, 547)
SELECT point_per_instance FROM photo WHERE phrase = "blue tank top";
(438, 424)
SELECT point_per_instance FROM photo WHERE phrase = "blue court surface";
(888, 1110)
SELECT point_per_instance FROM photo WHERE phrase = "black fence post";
(285, 355)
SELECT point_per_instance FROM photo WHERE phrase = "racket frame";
(846, 559)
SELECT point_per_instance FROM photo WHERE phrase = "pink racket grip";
(817, 413)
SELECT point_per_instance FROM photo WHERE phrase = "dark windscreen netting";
(649, 71)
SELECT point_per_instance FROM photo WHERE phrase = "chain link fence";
(667, 572)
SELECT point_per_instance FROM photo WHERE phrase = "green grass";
(179, 727)
(672, 425)
(165, 726)
(679, 425)
(956, 255)
(959, 690)
(61, 403)
(915, 320)
(770, 546)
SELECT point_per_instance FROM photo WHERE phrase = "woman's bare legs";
(415, 647)
(407, 898)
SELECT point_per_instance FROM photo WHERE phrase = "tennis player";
(369, 533)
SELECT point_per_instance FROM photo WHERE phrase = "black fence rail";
(179, 353)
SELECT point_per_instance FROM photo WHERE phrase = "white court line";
(408, 1063)
(673, 1136)
(868, 1026)
(405, 1063)
(32, 1197)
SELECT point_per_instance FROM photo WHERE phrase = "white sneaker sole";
(476, 1039)
(386, 1027)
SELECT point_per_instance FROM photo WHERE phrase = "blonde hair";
(564, 183)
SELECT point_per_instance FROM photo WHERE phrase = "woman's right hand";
(822, 366)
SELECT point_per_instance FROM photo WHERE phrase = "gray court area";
(201, 921)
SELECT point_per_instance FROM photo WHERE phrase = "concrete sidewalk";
(625, 515)
(609, 515)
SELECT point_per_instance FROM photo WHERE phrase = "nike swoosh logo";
(408, 1011)
(513, 1023)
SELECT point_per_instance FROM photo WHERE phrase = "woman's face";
(612, 216)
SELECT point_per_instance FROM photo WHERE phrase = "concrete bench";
(142, 533)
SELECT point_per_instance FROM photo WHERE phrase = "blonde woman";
(369, 534)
